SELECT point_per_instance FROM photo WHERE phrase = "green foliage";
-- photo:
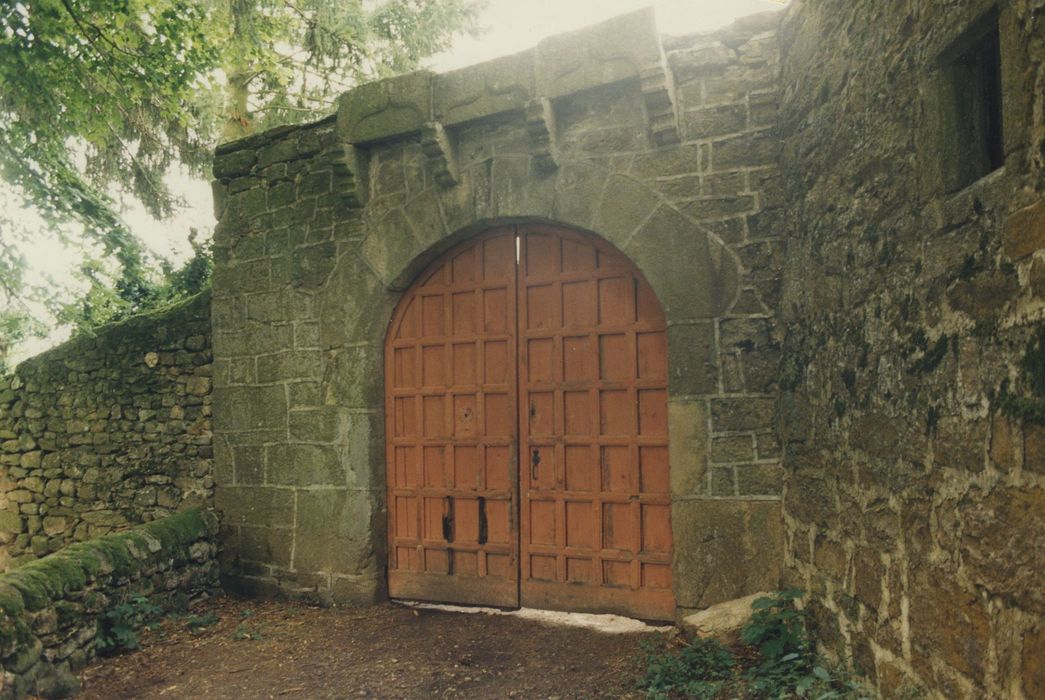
(118, 80)
(118, 626)
(787, 665)
(1019, 405)
(104, 97)
(776, 628)
(700, 669)
(104, 303)
(244, 631)
(197, 623)
(288, 61)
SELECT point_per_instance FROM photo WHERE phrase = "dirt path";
(381, 651)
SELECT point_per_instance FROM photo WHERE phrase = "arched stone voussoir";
(693, 276)
(389, 245)
(624, 205)
(578, 188)
(355, 305)
(395, 240)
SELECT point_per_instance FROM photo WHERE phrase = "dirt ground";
(268, 649)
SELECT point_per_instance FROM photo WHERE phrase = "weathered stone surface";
(950, 623)
(246, 408)
(614, 50)
(1033, 670)
(995, 530)
(736, 546)
(665, 237)
(384, 108)
(335, 532)
(484, 89)
(722, 621)
(691, 359)
(687, 447)
(256, 505)
(909, 310)
(1024, 231)
(99, 425)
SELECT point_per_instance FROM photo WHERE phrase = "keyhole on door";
(535, 460)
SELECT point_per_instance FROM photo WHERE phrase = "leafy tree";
(105, 96)
(288, 59)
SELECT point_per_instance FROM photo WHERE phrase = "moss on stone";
(1033, 364)
(36, 588)
(115, 554)
(10, 599)
(62, 571)
(88, 557)
(14, 632)
(178, 530)
(1023, 408)
(35, 584)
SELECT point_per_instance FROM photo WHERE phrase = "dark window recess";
(972, 67)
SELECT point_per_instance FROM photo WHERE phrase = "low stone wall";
(106, 431)
(50, 608)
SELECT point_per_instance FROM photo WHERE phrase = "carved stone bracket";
(350, 168)
(658, 93)
(435, 144)
(540, 123)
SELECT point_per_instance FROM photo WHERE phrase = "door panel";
(527, 414)
(451, 402)
(596, 526)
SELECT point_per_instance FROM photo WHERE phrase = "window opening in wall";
(972, 67)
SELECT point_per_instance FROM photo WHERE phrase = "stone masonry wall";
(50, 608)
(106, 431)
(914, 357)
(664, 148)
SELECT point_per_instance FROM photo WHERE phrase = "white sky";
(510, 26)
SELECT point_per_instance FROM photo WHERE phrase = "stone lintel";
(608, 52)
(435, 144)
(385, 108)
(540, 123)
(493, 87)
(615, 50)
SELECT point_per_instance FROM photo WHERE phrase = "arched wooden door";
(526, 400)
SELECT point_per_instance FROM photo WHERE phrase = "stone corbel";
(435, 144)
(658, 93)
(540, 123)
(350, 168)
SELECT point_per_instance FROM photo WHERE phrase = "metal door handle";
(535, 460)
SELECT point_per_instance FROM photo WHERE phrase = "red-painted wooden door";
(527, 422)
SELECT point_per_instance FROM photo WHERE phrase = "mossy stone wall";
(106, 431)
(50, 607)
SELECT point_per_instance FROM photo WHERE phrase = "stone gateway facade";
(661, 153)
(838, 211)
(625, 323)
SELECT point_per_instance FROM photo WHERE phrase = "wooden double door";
(526, 409)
